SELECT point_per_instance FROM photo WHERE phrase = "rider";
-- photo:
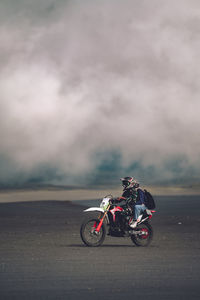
(133, 194)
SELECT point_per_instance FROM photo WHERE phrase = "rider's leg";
(138, 210)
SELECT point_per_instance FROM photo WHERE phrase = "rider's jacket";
(130, 195)
(133, 196)
(141, 197)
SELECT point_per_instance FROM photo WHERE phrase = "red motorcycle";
(115, 220)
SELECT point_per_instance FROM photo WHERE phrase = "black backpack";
(149, 200)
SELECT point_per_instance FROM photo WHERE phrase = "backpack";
(149, 200)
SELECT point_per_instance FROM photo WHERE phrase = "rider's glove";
(113, 201)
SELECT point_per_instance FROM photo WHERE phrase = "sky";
(94, 90)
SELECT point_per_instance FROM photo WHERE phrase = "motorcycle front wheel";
(89, 235)
(143, 235)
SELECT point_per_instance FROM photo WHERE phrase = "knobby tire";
(143, 240)
(88, 234)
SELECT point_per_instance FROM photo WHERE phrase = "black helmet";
(129, 182)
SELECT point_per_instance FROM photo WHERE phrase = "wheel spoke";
(143, 236)
(89, 234)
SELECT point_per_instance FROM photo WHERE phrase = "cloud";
(99, 89)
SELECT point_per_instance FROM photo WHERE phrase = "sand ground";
(43, 257)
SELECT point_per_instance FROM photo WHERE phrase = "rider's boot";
(133, 224)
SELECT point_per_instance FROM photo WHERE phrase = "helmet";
(129, 182)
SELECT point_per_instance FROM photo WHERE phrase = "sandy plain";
(43, 257)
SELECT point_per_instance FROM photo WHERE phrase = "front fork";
(102, 219)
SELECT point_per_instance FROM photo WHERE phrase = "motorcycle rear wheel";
(89, 235)
(144, 236)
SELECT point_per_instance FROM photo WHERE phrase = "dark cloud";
(99, 89)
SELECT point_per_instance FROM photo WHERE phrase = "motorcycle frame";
(106, 217)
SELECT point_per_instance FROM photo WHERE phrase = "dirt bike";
(115, 220)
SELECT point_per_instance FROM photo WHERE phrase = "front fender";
(97, 209)
(94, 209)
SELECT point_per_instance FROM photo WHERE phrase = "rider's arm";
(118, 199)
(130, 195)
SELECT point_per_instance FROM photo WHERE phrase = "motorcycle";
(115, 220)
